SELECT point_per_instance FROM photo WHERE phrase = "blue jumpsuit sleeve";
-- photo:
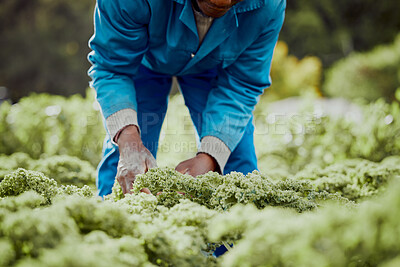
(119, 42)
(231, 102)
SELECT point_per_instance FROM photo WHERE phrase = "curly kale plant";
(332, 236)
(66, 170)
(353, 179)
(222, 192)
(22, 180)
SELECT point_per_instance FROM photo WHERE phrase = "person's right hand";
(134, 158)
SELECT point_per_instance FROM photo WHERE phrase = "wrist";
(210, 161)
(129, 134)
(217, 149)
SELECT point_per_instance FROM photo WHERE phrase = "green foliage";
(28, 199)
(90, 215)
(353, 179)
(222, 192)
(330, 29)
(29, 231)
(76, 229)
(22, 180)
(392, 263)
(84, 191)
(7, 253)
(291, 76)
(96, 249)
(42, 50)
(140, 230)
(13, 162)
(287, 144)
(66, 170)
(176, 236)
(52, 125)
(366, 236)
(163, 237)
(370, 75)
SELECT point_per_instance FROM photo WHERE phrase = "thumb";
(146, 190)
(182, 169)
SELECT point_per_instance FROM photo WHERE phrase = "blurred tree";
(44, 46)
(368, 75)
(331, 29)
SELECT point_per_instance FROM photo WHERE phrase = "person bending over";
(219, 50)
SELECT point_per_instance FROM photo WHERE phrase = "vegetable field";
(327, 193)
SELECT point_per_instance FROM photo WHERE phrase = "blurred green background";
(327, 50)
(335, 72)
(44, 47)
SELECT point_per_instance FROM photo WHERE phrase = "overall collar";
(221, 28)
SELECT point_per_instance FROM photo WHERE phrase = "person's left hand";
(200, 164)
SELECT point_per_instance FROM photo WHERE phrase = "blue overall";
(139, 45)
(195, 90)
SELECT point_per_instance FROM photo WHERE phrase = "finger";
(129, 186)
(146, 190)
(124, 191)
(159, 193)
(188, 171)
(182, 168)
(150, 163)
(122, 184)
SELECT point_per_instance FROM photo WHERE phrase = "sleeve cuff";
(217, 149)
(119, 120)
